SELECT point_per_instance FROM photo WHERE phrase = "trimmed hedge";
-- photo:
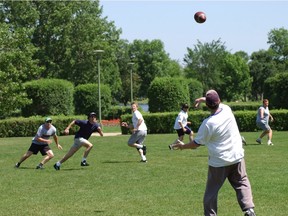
(157, 123)
(246, 120)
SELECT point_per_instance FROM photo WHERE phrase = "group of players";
(219, 133)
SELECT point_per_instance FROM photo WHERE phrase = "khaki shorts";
(78, 142)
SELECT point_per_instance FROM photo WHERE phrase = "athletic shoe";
(17, 165)
(84, 163)
(39, 166)
(144, 149)
(170, 146)
(56, 167)
(270, 143)
(143, 161)
(258, 141)
(243, 140)
(249, 212)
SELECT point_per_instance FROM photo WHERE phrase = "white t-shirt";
(182, 117)
(220, 133)
(135, 117)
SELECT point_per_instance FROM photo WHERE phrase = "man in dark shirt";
(87, 127)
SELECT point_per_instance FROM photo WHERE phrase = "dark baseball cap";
(92, 114)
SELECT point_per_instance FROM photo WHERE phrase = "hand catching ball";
(200, 17)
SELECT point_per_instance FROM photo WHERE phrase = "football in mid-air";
(200, 17)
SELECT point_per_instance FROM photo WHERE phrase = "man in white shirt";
(139, 132)
(220, 133)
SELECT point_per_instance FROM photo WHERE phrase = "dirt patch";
(107, 134)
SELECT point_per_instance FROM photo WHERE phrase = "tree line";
(58, 39)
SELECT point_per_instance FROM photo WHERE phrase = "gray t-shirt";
(44, 134)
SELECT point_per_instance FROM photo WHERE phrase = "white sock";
(83, 159)
(139, 146)
(58, 163)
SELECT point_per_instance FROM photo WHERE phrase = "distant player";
(181, 126)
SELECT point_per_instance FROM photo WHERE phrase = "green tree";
(16, 67)
(235, 78)
(262, 66)
(203, 62)
(278, 40)
(66, 34)
(152, 61)
(276, 90)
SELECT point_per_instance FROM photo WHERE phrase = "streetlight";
(131, 80)
(98, 56)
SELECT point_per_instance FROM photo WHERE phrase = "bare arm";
(69, 126)
(55, 137)
(198, 101)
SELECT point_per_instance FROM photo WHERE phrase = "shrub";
(49, 97)
(86, 99)
(167, 94)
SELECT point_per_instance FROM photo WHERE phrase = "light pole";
(131, 79)
(98, 56)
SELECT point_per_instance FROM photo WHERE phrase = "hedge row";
(157, 123)
(164, 122)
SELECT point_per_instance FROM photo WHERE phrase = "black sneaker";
(84, 163)
(170, 147)
(39, 166)
(143, 161)
(249, 212)
(17, 165)
(144, 149)
(56, 167)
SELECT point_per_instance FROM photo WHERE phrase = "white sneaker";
(243, 140)
(270, 143)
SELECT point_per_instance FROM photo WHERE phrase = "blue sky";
(241, 25)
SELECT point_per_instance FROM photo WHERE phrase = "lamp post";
(98, 55)
(131, 79)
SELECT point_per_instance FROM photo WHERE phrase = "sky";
(241, 25)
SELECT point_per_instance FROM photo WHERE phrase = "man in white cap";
(87, 127)
(220, 133)
(41, 143)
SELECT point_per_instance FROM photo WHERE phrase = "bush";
(49, 97)
(167, 94)
(86, 99)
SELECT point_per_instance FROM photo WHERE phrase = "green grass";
(171, 183)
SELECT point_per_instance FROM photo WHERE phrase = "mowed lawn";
(171, 183)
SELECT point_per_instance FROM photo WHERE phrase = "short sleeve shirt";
(182, 117)
(44, 134)
(86, 129)
(220, 133)
(135, 118)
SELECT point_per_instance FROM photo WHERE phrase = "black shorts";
(42, 148)
(180, 132)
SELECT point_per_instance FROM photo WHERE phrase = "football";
(200, 17)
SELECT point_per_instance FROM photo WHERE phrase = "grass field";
(171, 183)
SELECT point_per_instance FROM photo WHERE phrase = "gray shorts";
(78, 142)
(137, 137)
(263, 125)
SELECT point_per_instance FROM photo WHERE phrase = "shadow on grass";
(118, 162)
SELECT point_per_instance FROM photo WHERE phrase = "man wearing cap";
(41, 143)
(87, 127)
(220, 133)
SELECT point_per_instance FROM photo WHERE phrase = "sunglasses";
(48, 121)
